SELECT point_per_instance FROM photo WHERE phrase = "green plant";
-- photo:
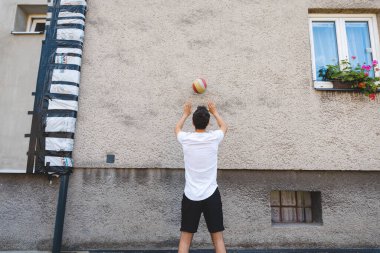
(357, 76)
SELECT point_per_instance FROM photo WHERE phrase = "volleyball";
(199, 85)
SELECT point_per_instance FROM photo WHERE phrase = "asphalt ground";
(377, 250)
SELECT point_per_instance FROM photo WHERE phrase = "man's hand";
(187, 109)
(186, 113)
(212, 108)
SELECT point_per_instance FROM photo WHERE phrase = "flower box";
(346, 77)
(338, 84)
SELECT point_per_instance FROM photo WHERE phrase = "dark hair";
(201, 117)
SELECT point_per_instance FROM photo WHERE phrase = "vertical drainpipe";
(60, 216)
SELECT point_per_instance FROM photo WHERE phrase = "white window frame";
(341, 37)
(33, 19)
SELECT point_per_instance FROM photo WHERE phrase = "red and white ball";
(199, 85)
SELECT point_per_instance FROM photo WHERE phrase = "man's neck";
(200, 130)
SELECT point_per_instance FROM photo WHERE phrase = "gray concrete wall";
(140, 209)
(140, 58)
(19, 61)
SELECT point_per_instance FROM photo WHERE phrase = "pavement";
(211, 251)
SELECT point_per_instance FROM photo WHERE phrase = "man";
(201, 194)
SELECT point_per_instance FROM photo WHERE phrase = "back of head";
(201, 118)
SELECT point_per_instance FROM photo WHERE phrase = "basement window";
(296, 207)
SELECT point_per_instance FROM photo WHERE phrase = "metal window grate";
(291, 207)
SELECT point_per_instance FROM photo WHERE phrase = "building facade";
(298, 168)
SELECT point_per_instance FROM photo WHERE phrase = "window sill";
(287, 225)
(319, 85)
(26, 33)
(323, 85)
(12, 171)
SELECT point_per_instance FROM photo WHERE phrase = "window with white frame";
(339, 37)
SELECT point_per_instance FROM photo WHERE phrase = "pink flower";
(375, 62)
(353, 57)
(366, 67)
(366, 74)
(377, 69)
(372, 96)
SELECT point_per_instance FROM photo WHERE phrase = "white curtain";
(325, 45)
(358, 42)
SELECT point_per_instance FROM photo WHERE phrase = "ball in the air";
(199, 85)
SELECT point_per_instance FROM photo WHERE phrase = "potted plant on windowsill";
(344, 76)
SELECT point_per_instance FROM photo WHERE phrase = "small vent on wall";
(110, 158)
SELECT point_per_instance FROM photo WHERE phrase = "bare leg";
(217, 239)
(184, 242)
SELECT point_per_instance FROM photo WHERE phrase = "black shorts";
(211, 208)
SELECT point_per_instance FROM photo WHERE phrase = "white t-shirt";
(200, 151)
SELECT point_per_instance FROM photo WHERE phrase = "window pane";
(300, 199)
(325, 45)
(300, 215)
(308, 215)
(275, 198)
(307, 199)
(40, 27)
(275, 214)
(288, 198)
(289, 214)
(359, 43)
(303, 199)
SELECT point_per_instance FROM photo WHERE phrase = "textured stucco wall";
(19, 61)
(140, 58)
(140, 208)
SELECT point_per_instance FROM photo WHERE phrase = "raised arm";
(186, 113)
(222, 125)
